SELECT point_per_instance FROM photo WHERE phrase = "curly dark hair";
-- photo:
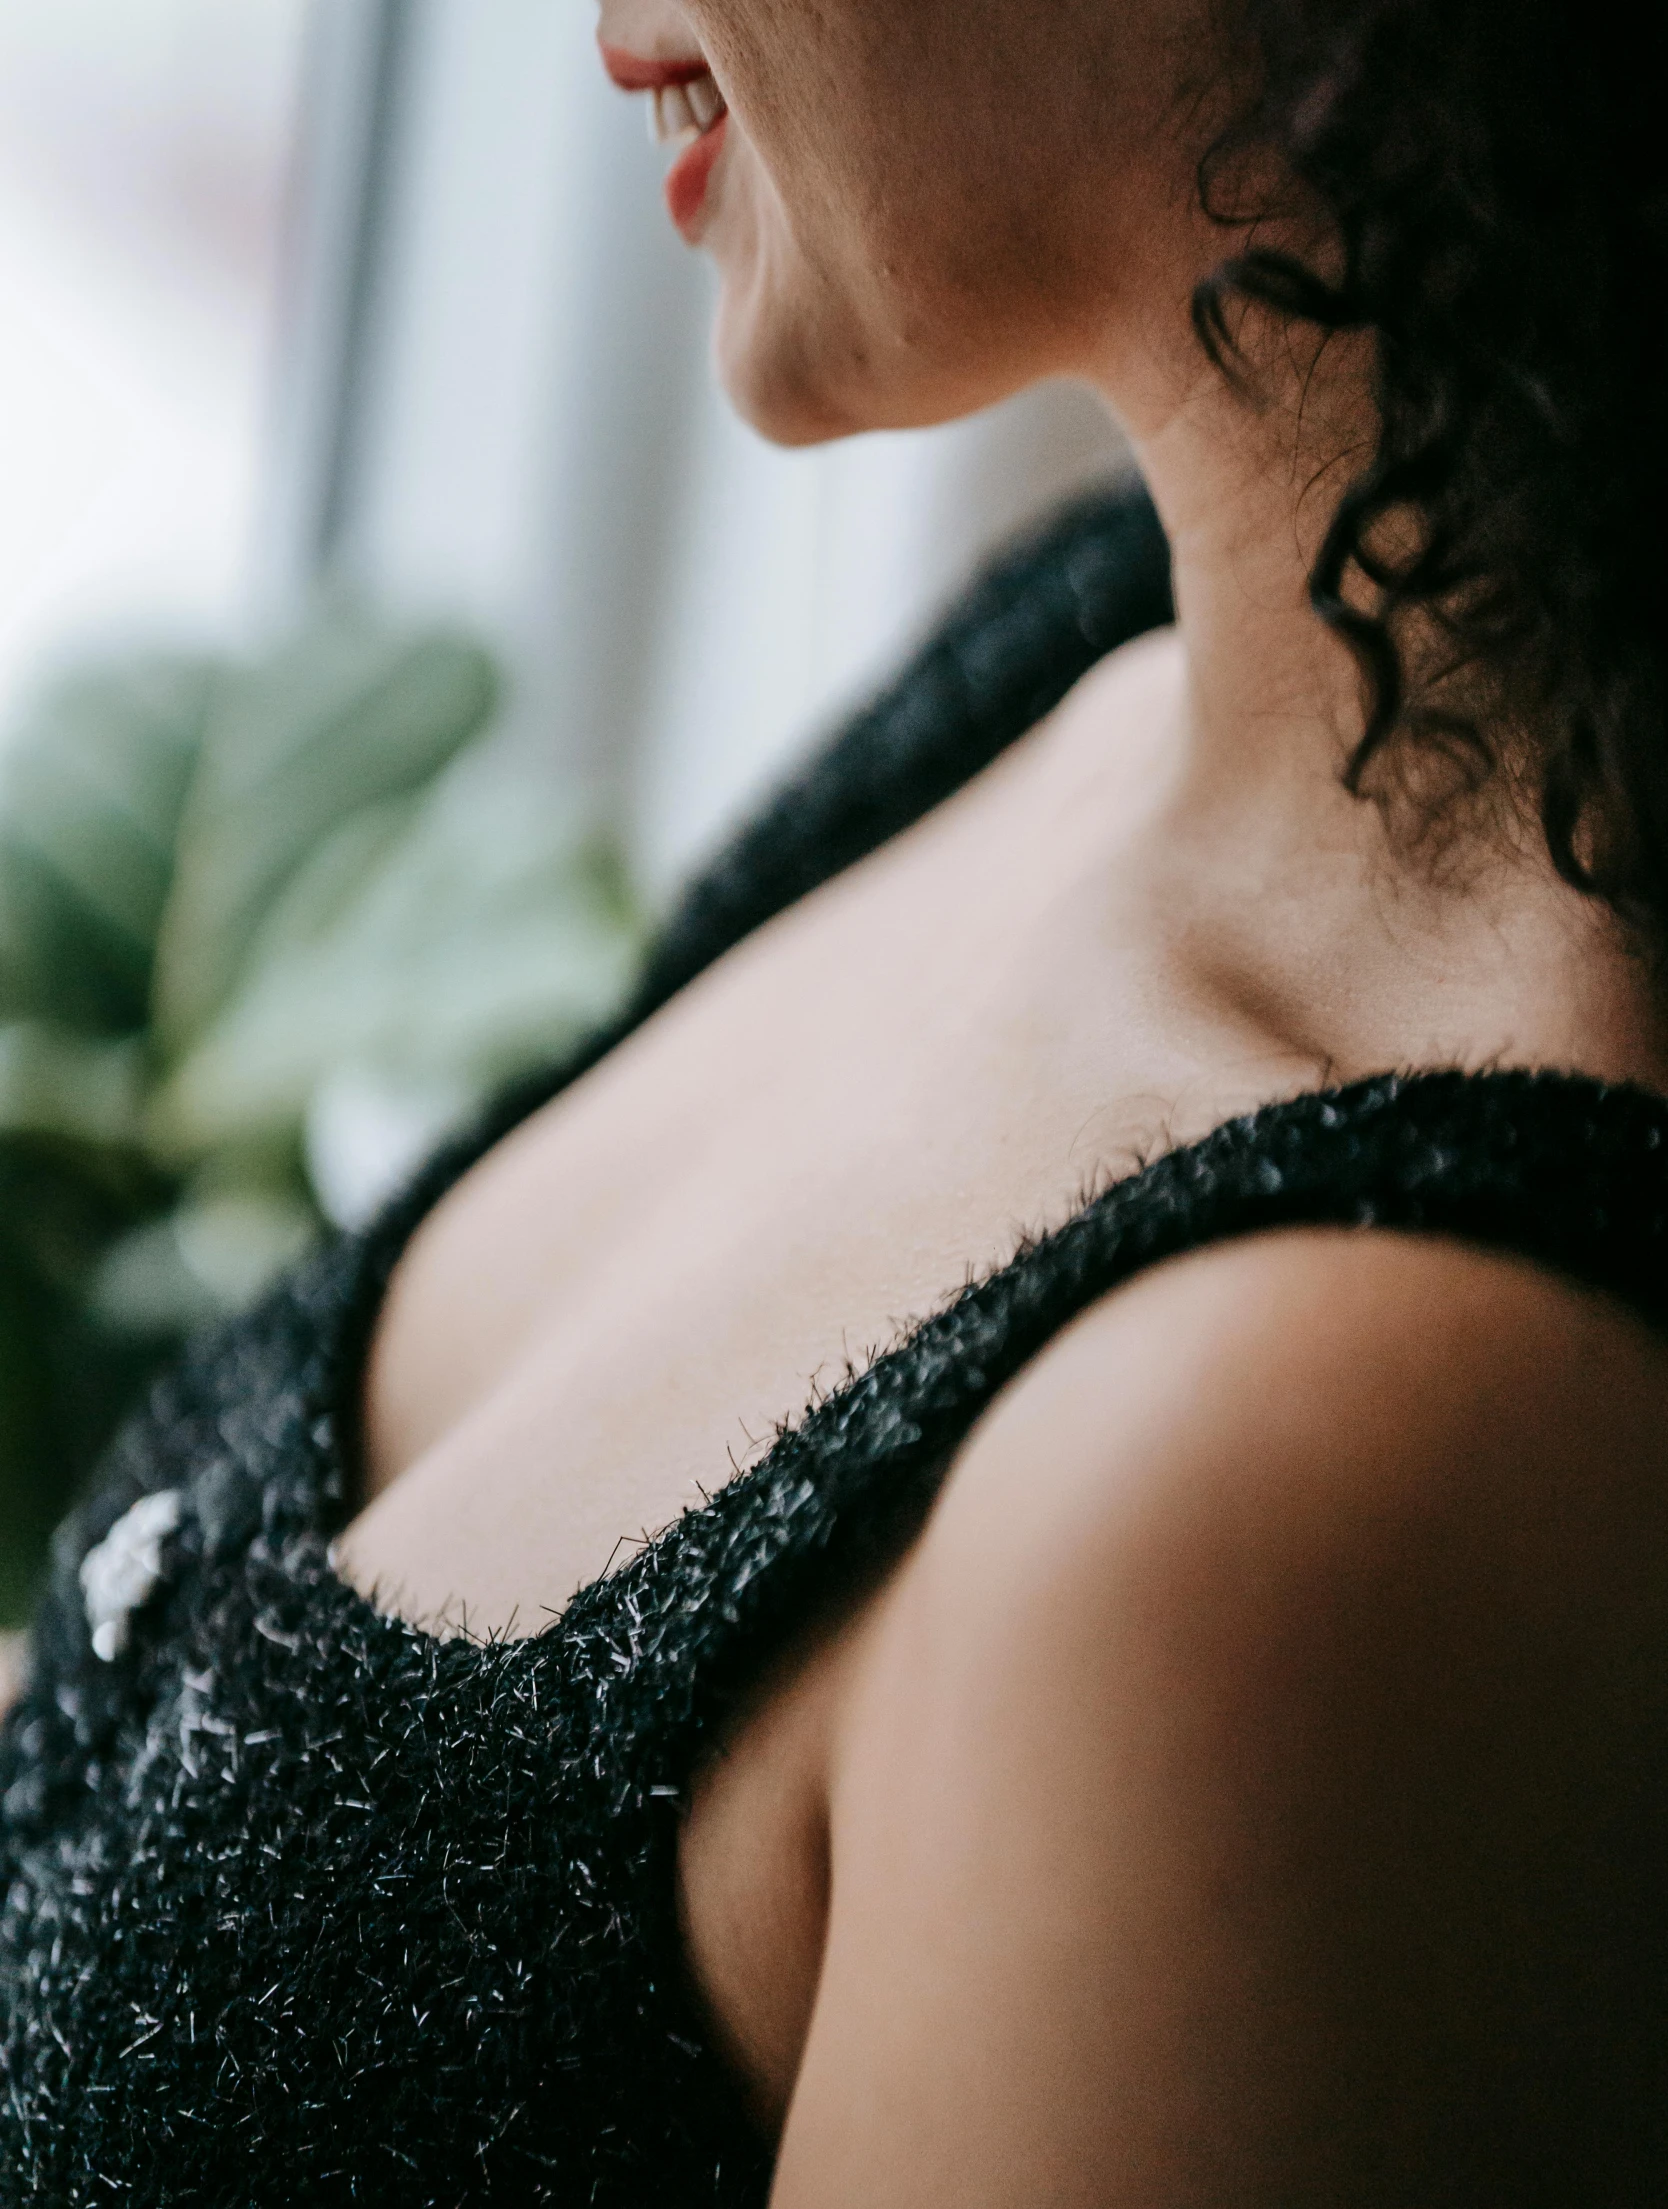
(1493, 177)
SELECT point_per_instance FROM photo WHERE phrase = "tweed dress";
(304, 1905)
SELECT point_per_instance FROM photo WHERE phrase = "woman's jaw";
(722, 198)
(913, 213)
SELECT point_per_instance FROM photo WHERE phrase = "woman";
(1184, 1722)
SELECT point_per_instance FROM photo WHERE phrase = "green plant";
(267, 930)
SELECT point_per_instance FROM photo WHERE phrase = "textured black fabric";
(302, 1905)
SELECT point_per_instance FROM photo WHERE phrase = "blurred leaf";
(346, 716)
(62, 1202)
(266, 933)
(462, 937)
(54, 1082)
(205, 1259)
(91, 788)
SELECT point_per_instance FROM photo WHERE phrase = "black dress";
(304, 1906)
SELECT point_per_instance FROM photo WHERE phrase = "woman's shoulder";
(1311, 1560)
(1325, 1369)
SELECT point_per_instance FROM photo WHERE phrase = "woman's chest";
(817, 1145)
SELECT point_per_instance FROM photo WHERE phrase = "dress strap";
(1564, 1171)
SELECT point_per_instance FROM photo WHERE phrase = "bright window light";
(145, 147)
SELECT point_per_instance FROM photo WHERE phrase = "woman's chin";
(804, 365)
(772, 378)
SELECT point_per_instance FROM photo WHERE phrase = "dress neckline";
(1418, 1167)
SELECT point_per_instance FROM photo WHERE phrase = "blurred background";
(391, 617)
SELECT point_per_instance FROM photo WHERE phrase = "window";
(145, 147)
(500, 376)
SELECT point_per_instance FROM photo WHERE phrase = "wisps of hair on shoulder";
(1491, 177)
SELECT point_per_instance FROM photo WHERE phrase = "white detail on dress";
(121, 1575)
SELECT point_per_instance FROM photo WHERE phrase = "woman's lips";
(690, 177)
(687, 110)
(632, 73)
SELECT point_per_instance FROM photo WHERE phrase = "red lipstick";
(699, 123)
(633, 74)
(690, 176)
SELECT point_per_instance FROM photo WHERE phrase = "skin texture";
(1219, 1797)
(1226, 1783)
(921, 274)
(859, 261)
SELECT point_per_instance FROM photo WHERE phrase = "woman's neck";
(1245, 479)
(1388, 943)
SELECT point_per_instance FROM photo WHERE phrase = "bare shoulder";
(1319, 1360)
(1299, 1571)
(1280, 1408)
(1262, 1415)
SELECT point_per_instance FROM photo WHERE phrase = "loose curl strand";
(1491, 178)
